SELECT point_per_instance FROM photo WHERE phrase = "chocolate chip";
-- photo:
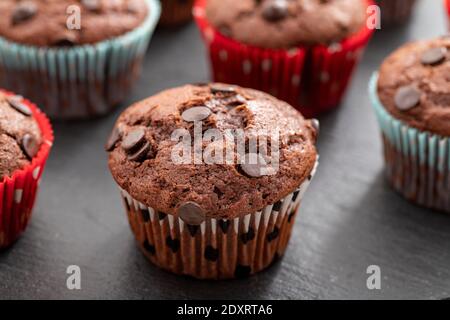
(192, 230)
(91, 5)
(133, 140)
(407, 97)
(434, 56)
(242, 271)
(222, 88)
(273, 235)
(141, 153)
(249, 236)
(233, 101)
(16, 102)
(224, 225)
(24, 11)
(30, 146)
(114, 137)
(191, 213)
(196, 114)
(149, 247)
(274, 10)
(211, 253)
(254, 166)
(173, 244)
(316, 125)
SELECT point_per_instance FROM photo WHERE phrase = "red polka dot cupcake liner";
(217, 248)
(175, 12)
(18, 191)
(313, 79)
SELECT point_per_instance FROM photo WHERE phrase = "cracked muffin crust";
(44, 22)
(141, 147)
(287, 23)
(413, 85)
(20, 136)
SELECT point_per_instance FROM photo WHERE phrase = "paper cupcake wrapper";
(395, 11)
(447, 7)
(80, 82)
(313, 79)
(175, 13)
(18, 192)
(417, 162)
(216, 249)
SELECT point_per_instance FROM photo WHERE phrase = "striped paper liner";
(18, 192)
(417, 162)
(82, 81)
(217, 249)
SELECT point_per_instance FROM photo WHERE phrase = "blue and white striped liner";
(423, 173)
(81, 81)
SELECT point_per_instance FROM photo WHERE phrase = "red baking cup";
(18, 192)
(447, 6)
(313, 79)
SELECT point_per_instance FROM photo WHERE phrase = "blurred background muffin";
(212, 218)
(394, 12)
(74, 58)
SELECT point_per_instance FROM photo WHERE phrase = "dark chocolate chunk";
(242, 271)
(198, 113)
(434, 56)
(224, 225)
(114, 137)
(407, 97)
(16, 102)
(274, 10)
(273, 235)
(149, 247)
(24, 11)
(211, 253)
(30, 146)
(191, 213)
(254, 166)
(133, 140)
(173, 244)
(141, 153)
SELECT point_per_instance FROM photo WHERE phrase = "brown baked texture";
(424, 66)
(286, 23)
(175, 12)
(395, 12)
(44, 22)
(14, 127)
(220, 190)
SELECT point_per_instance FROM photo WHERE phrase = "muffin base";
(216, 249)
(313, 79)
(18, 192)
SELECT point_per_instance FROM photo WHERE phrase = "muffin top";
(45, 22)
(20, 137)
(149, 133)
(413, 85)
(286, 23)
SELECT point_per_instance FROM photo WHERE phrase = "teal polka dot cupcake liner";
(417, 162)
(82, 81)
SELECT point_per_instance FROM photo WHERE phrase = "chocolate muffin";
(394, 12)
(75, 58)
(285, 23)
(411, 98)
(26, 138)
(20, 136)
(212, 217)
(175, 12)
(302, 52)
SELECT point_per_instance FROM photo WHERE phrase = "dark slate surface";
(350, 219)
